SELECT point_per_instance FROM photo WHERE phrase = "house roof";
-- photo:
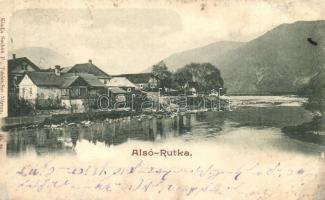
(66, 69)
(67, 81)
(45, 79)
(137, 78)
(50, 79)
(120, 82)
(91, 80)
(87, 68)
(117, 90)
(12, 63)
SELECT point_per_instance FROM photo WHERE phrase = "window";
(83, 92)
(128, 90)
(74, 92)
(141, 86)
(30, 91)
(78, 92)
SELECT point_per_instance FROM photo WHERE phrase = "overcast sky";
(127, 40)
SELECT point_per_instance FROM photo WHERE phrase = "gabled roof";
(137, 78)
(120, 82)
(12, 63)
(67, 81)
(117, 90)
(86, 68)
(66, 69)
(91, 80)
(50, 79)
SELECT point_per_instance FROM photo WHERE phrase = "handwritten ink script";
(143, 178)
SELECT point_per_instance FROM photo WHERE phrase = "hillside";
(278, 62)
(42, 57)
(201, 54)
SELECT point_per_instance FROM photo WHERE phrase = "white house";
(41, 85)
(123, 83)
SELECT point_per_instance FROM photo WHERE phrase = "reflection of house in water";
(41, 141)
(65, 139)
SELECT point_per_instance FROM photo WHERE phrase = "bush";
(48, 104)
(20, 107)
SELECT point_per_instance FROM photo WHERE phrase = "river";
(250, 133)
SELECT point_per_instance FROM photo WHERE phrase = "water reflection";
(206, 126)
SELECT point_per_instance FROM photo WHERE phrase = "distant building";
(88, 68)
(191, 88)
(122, 83)
(117, 95)
(16, 70)
(143, 81)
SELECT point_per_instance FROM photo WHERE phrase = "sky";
(130, 39)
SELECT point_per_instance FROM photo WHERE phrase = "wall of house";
(48, 93)
(142, 86)
(104, 80)
(27, 89)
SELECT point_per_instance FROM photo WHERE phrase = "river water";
(250, 133)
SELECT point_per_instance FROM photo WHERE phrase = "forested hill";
(278, 62)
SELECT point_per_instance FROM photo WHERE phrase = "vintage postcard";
(166, 99)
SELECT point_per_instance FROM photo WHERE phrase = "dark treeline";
(204, 77)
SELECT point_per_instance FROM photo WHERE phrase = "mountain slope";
(201, 54)
(42, 57)
(278, 62)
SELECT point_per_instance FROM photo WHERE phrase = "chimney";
(57, 70)
(90, 61)
(14, 56)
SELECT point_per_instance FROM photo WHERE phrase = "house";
(123, 83)
(88, 68)
(117, 95)
(77, 92)
(16, 70)
(144, 81)
(191, 88)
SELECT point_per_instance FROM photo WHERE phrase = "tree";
(161, 71)
(316, 92)
(206, 75)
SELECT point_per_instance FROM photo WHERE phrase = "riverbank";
(84, 119)
(313, 131)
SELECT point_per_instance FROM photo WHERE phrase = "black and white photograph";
(162, 100)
